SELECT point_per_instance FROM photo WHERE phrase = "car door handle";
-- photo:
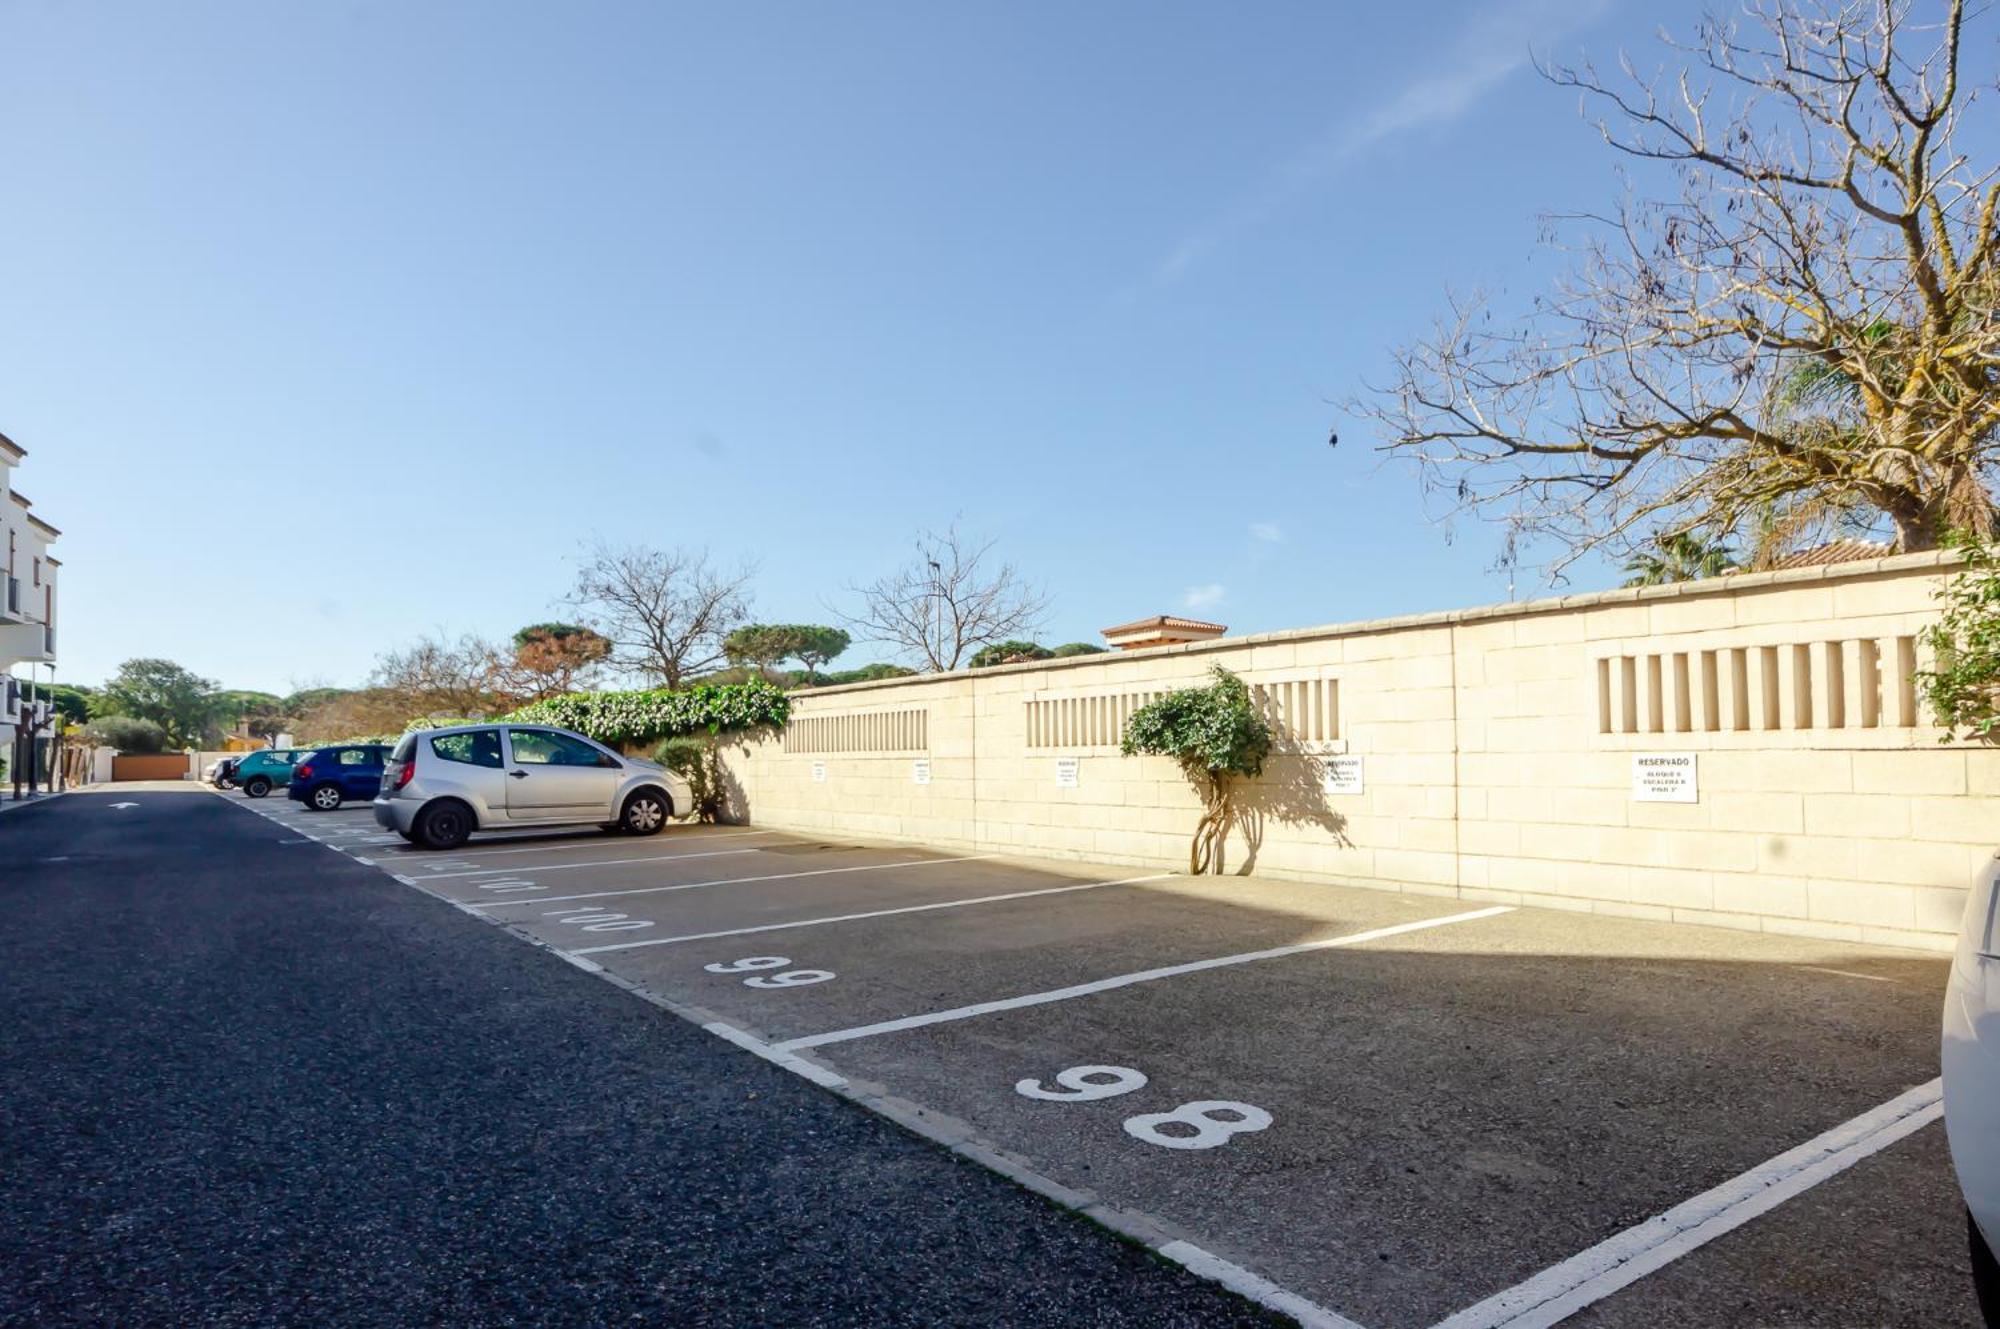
(517, 775)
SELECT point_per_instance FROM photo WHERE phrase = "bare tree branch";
(943, 605)
(665, 612)
(1801, 334)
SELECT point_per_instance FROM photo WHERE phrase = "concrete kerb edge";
(1157, 1237)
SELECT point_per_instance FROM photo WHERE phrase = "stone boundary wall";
(1487, 754)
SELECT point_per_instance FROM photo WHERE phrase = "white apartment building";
(28, 573)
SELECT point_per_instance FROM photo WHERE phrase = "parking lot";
(1362, 1107)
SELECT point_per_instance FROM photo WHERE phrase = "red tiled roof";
(1834, 551)
(1163, 621)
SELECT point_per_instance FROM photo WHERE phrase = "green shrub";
(1963, 687)
(1069, 648)
(127, 734)
(693, 758)
(1218, 738)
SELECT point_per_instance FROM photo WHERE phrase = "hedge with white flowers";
(647, 717)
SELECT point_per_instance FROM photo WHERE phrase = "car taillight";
(305, 773)
(403, 774)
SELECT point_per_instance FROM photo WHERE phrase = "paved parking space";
(1366, 1107)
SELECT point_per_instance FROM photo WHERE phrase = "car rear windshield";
(404, 748)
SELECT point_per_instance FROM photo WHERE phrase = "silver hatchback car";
(441, 785)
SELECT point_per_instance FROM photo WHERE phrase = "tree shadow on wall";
(1290, 792)
(733, 808)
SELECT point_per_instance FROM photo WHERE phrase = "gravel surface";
(249, 1082)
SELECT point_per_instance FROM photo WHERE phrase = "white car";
(1971, 1060)
(441, 785)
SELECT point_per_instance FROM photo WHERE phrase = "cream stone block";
(1807, 855)
(1817, 929)
(1761, 893)
(1628, 909)
(1549, 630)
(1627, 620)
(1859, 815)
(1936, 771)
(1599, 881)
(1935, 942)
(1974, 821)
(1776, 771)
(1911, 862)
(1694, 613)
(1875, 903)
(1769, 814)
(1938, 908)
(1863, 596)
(1672, 888)
(1669, 816)
(1713, 851)
(1498, 838)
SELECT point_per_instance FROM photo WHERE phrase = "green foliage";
(1069, 648)
(639, 717)
(182, 703)
(72, 701)
(234, 703)
(555, 632)
(1210, 731)
(866, 674)
(765, 644)
(1963, 688)
(127, 734)
(1681, 556)
(1217, 736)
(1005, 652)
(306, 698)
(694, 759)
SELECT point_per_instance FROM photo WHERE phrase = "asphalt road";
(247, 1081)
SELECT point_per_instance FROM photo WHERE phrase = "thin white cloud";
(1492, 45)
(1268, 532)
(1201, 597)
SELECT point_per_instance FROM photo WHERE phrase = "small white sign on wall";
(1066, 771)
(1664, 777)
(1341, 775)
(819, 772)
(920, 771)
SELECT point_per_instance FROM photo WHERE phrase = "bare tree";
(943, 604)
(436, 677)
(665, 611)
(1799, 336)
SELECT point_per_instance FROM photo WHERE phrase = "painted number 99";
(749, 964)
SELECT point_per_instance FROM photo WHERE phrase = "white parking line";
(1564, 1289)
(729, 881)
(1126, 980)
(597, 863)
(568, 841)
(873, 913)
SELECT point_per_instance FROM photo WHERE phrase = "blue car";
(327, 777)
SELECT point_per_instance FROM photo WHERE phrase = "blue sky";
(332, 325)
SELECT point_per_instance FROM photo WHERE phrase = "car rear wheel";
(325, 798)
(1985, 1272)
(443, 826)
(257, 786)
(646, 813)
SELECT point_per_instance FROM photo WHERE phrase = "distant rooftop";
(1834, 551)
(1160, 630)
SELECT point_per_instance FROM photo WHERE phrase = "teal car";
(266, 769)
